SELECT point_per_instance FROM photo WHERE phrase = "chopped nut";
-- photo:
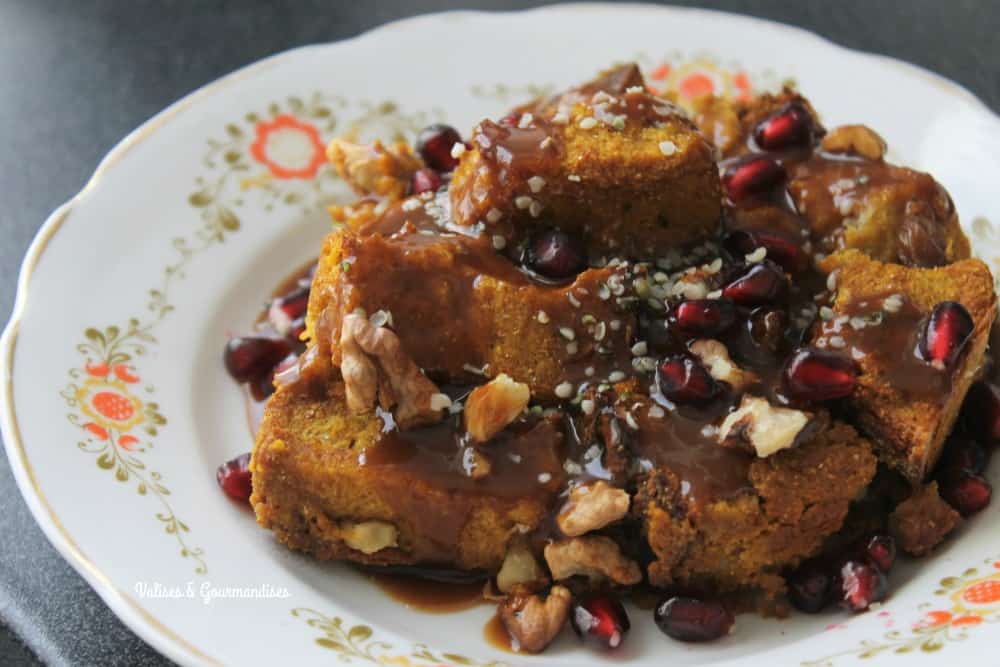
(533, 623)
(520, 568)
(854, 139)
(474, 464)
(715, 357)
(593, 556)
(374, 168)
(368, 537)
(765, 428)
(490, 407)
(592, 507)
(376, 369)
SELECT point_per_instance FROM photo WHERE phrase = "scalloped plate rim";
(126, 608)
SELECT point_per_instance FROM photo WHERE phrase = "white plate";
(200, 211)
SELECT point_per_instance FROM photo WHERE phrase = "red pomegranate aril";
(761, 283)
(751, 179)
(946, 333)
(691, 620)
(425, 180)
(287, 308)
(968, 493)
(881, 551)
(792, 127)
(434, 144)
(249, 357)
(981, 411)
(705, 317)
(780, 249)
(810, 586)
(262, 387)
(817, 375)
(233, 477)
(682, 378)
(861, 585)
(555, 254)
(511, 119)
(600, 619)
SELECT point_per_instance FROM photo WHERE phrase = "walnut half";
(590, 507)
(376, 369)
(854, 140)
(715, 357)
(490, 407)
(593, 556)
(765, 428)
(374, 169)
(533, 622)
(368, 537)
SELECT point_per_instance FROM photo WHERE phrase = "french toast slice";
(626, 170)
(333, 484)
(906, 405)
(463, 311)
(846, 192)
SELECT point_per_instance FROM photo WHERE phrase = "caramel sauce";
(432, 597)
(891, 340)
(496, 635)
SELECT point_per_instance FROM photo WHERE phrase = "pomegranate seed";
(947, 331)
(234, 478)
(761, 283)
(252, 357)
(817, 375)
(982, 411)
(964, 455)
(287, 308)
(682, 378)
(861, 585)
(705, 317)
(966, 492)
(691, 620)
(262, 387)
(555, 254)
(757, 177)
(511, 119)
(425, 180)
(881, 551)
(600, 619)
(791, 127)
(434, 144)
(810, 586)
(780, 249)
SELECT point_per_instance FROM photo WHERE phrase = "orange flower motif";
(936, 618)
(124, 373)
(128, 442)
(98, 432)
(288, 147)
(969, 619)
(97, 370)
(109, 404)
(660, 72)
(695, 85)
(983, 592)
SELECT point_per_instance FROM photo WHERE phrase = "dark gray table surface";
(77, 75)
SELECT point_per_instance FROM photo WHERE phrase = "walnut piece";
(593, 556)
(368, 536)
(764, 427)
(374, 169)
(532, 622)
(856, 140)
(590, 507)
(376, 369)
(520, 569)
(715, 357)
(490, 407)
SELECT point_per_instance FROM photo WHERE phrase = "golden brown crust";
(910, 430)
(922, 521)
